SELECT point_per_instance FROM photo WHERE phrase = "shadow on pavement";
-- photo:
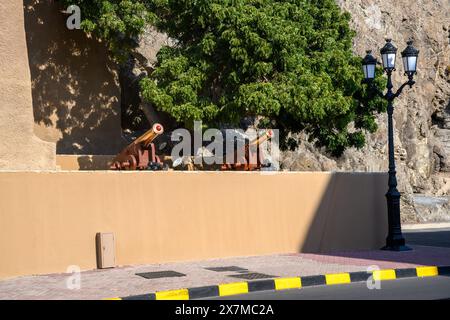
(434, 238)
(430, 247)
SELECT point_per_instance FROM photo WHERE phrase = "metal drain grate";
(228, 268)
(252, 276)
(160, 274)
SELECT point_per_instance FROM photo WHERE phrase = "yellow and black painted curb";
(236, 288)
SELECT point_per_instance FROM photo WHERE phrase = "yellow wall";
(20, 148)
(83, 162)
(59, 90)
(48, 220)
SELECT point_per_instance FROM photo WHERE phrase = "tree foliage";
(118, 22)
(287, 62)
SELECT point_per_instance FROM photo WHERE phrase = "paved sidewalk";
(421, 226)
(123, 281)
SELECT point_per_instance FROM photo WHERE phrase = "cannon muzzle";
(150, 135)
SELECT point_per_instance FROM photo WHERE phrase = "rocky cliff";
(422, 114)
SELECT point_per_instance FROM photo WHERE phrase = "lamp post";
(395, 240)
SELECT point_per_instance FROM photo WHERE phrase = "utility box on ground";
(106, 257)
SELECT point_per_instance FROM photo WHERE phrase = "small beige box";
(106, 257)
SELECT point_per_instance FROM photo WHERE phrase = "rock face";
(422, 114)
(431, 208)
(140, 64)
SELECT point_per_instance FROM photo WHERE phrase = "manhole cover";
(160, 274)
(228, 268)
(252, 276)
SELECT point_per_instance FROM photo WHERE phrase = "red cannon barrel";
(258, 140)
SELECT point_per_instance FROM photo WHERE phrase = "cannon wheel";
(132, 161)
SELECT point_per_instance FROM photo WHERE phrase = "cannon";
(253, 156)
(141, 153)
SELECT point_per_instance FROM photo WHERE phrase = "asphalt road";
(428, 237)
(433, 288)
(409, 288)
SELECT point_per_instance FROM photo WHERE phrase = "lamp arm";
(409, 83)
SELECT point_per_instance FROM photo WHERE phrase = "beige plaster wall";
(75, 88)
(19, 147)
(48, 220)
(72, 162)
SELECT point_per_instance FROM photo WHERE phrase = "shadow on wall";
(95, 163)
(352, 217)
(75, 87)
(342, 219)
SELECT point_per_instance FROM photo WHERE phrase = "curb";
(235, 288)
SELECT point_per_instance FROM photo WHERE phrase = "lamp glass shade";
(409, 56)
(369, 63)
(369, 71)
(388, 60)
(410, 64)
(388, 53)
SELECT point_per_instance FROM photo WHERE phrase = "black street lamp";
(395, 240)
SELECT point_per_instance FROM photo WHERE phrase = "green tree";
(287, 62)
(118, 22)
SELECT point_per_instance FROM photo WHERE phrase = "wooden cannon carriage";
(253, 155)
(141, 153)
